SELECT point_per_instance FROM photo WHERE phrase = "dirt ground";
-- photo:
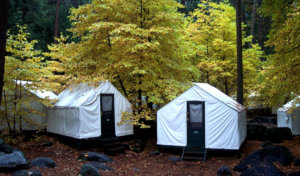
(131, 163)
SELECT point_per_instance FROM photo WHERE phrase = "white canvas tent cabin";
(202, 118)
(36, 116)
(290, 120)
(85, 112)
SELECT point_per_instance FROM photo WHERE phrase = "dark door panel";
(195, 124)
(107, 115)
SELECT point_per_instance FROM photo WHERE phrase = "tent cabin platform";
(107, 145)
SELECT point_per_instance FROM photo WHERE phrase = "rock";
(136, 146)
(297, 173)
(224, 171)
(100, 166)
(88, 170)
(7, 148)
(93, 156)
(255, 132)
(273, 134)
(263, 119)
(266, 143)
(2, 153)
(277, 135)
(13, 161)
(47, 144)
(269, 154)
(43, 162)
(20, 173)
(297, 162)
(1, 142)
(261, 169)
(35, 172)
(154, 153)
(174, 158)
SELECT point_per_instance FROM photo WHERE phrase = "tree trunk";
(239, 51)
(226, 86)
(6, 112)
(20, 106)
(56, 21)
(122, 86)
(3, 28)
(253, 17)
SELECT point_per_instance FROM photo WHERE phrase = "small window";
(196, 115)
(107, 103)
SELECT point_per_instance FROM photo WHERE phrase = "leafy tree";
(281, 74)
(212, 31)
(3, 28)
(22, 63)
(140, 48)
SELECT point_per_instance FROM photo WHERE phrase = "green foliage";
(212, 29)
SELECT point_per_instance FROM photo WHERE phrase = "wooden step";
(111, 144)
(112, 139)
(191, 153)
(193, 157)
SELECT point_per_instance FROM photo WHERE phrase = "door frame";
(113, 111)
(188, 119)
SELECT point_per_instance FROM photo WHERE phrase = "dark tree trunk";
(122, 86)
(3, 28)
(226, 86)
(239, 51)
(56, 21)
(253, 17)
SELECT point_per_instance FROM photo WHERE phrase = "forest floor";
(131, 163)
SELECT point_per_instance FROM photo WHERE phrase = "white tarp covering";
(225, 119)
(292, 121)
(77, 113)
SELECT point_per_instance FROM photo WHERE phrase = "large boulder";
(224, 171)
(35, 172)
(100, 166)
(7, 148)
(174, 158)
(93, 156)
(297, 173)
(256, 131)
(277, 135)
(268, 154)
(297, 162)
(13, 161)
(262, 169)
(43, 162)
(88, 170)
(20, 173)
(273, 134)
(264, 119)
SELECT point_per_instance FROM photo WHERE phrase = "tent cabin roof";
(217, 94)
(225, 99)
(73, 97)
(42, 94)
(288, 105)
